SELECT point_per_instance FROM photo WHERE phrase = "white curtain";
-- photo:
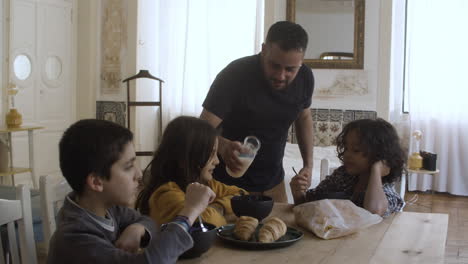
(197, 39)
(437, 81)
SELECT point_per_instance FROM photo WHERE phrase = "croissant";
(245, 227)
(272, 230)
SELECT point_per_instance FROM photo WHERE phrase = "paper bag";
(333, 218)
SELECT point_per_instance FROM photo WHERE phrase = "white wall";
(87, 58)
(89, 52)
(275, 10)
(376, 55)
(148, 90)
(3, 82)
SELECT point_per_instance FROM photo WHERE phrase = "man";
(262, 95)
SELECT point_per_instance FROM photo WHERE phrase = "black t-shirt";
(247, 105)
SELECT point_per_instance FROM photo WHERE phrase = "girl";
(373, 161)
(187, 154)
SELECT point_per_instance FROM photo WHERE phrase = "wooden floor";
(457, 209)
(455, 206)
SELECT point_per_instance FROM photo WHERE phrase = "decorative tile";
(113, 41)
(322, 114)
(322, 134)
(111, 111)
(348, 116)
(314, 114)
(334, 130)
(364, 115)
(328, 123)
(336, 115)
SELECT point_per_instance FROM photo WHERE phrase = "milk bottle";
(247, 155)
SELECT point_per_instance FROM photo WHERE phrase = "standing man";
(262, 95)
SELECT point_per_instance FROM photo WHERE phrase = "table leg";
(10, 147)
(31, 158)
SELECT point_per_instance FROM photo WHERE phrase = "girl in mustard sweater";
(187, 153)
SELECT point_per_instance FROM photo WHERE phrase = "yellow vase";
(14, 119)
(415, 161)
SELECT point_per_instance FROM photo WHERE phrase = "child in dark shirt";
(373, 161)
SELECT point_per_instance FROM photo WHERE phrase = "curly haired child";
(373, 161)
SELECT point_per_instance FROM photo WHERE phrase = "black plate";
(226, 234)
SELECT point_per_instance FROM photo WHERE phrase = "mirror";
(53, 68)
(22, 67)
(335, 29)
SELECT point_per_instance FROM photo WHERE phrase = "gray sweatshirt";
(82, 237)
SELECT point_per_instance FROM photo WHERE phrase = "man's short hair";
(288, 36)
(91, 146)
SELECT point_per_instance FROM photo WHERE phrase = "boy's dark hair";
(186, 146)
(380, 141)
(288, 36)
(91, 146)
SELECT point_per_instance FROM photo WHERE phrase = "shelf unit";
(17, 170)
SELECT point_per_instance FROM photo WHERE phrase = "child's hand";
(380, 168)
(130, 238)
(197, 198)
(306, 173)
(299, 185)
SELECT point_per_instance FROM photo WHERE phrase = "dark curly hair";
(379, 141)
(288, 36)
(186, 146)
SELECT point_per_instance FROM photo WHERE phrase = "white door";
(42, 65)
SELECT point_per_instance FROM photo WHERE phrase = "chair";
(16, 215)
(52, 197)
(325, 169)
(400, 187)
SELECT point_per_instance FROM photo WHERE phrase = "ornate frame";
(358, 61)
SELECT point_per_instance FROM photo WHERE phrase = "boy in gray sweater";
(95, 225)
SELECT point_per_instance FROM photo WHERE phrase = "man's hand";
(229, 151)
(130, 238)
(197, 198)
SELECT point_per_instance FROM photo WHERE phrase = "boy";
(95, 225)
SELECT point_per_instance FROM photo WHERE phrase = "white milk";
(246, 161)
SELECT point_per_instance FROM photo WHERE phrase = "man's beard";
(278, 85)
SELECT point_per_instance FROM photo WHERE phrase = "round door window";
(53, 68)
(22, 67)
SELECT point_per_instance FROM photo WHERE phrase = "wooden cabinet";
(12, 170)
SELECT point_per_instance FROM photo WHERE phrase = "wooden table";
(401, 238)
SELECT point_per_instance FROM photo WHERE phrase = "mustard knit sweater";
(168, 200)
